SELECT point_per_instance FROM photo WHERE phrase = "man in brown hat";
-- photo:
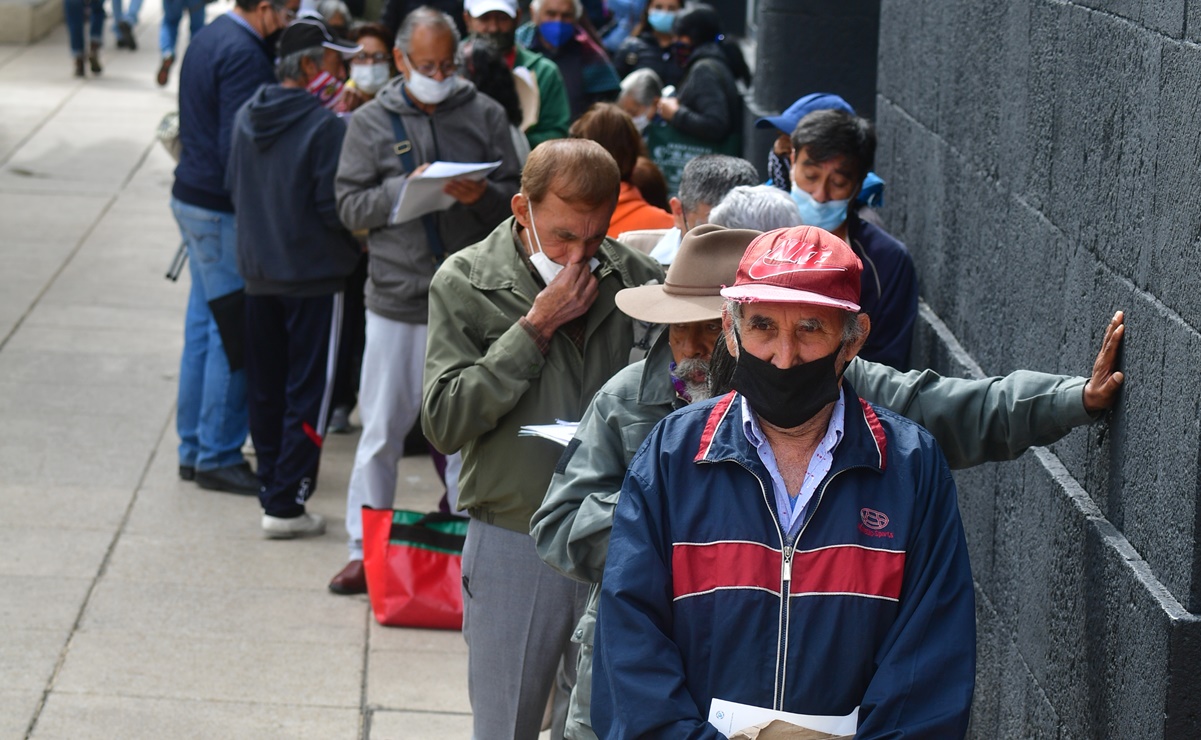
(571, 529)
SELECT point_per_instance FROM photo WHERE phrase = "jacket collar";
(864, 443)
(655, 388)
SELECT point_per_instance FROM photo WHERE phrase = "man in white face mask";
(524, 330)
(424, 115)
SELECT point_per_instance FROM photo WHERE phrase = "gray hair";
(288, 68)
(425, 17)
(327, 9)
(851, 330)
(643, 85)
(536, 7)
(708, 178)
(758, 207)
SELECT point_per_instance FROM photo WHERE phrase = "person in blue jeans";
(123, 23)
(73, 10)
(225, 64)
(168, 34)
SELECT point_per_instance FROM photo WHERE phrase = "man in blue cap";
(779, 158)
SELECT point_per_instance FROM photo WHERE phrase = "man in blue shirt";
(787, 545)
(226, 62)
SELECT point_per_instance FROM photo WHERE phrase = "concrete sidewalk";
(133, 604)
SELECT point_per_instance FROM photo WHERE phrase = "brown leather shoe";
(350, 580)
(164, 70)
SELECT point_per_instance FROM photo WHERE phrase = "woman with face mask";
(650, 46)
(372, 67)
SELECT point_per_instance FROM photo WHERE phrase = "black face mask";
(786, 398)
(501, 41)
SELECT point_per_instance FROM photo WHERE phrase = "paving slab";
(71, 717)
(387, 725)
(16, 711)
(67, 507)
(39, 603)
(410, 679)
(28, 657)
(242, 668)
(46, 552)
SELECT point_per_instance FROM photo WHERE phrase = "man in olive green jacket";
(975, 421)
(523, 329)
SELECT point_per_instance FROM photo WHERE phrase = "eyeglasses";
(288, 14)
(379, 57)
(427, 70)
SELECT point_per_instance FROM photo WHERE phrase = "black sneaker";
(125, 37)
(239, 479)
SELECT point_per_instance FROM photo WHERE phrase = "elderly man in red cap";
(787, 545)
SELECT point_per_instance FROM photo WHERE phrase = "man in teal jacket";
(974, 421)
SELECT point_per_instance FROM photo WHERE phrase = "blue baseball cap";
(788, 120)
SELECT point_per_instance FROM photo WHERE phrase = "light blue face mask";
(661, 20)
(828, 215)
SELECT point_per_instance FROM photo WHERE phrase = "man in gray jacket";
(974, 421)
(427, 114)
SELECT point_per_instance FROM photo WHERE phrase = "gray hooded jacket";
(466, 127)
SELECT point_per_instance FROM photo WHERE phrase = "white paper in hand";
(730, 717)
(422, 194)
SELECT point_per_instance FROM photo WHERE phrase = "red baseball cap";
(803, 264)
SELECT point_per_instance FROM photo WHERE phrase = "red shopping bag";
(414, 566)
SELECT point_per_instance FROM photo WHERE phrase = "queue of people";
(756, 505)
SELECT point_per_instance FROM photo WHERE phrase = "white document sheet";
(422, 194)
(560, 432)
(730, 717)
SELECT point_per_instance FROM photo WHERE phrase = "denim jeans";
(132, 15)
(212, 416)
(168, 33)
(73, 10)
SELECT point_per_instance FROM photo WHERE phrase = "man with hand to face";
(787, 545)
(524, 330)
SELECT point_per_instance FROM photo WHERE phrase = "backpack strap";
(403, 148)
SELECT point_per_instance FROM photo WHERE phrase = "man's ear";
(677, 214)
(399, 59)
(852, 350)
(521, 209)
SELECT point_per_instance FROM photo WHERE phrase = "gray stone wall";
(1043, 160)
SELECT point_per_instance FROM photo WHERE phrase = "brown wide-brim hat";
(707, 260)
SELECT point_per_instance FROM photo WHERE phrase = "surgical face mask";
(641, 121)
(556, 33)
(547, 268)
(327, 88)
(427, 89)
(828, 215)
(370, 78)
(786, 398)
(661, 20)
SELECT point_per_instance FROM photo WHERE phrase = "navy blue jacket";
(880, 613)
(282, 163)
(888, 292)
(224, 65)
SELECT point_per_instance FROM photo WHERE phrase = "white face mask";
(641, 121)
(427, 89)
(370, 78)
(548, 269)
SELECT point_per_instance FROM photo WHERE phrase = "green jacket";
(554, 111)
(485, 377)
(975, 421)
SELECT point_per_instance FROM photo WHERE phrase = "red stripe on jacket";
(712, 423)
(839, 569)
(873, 423)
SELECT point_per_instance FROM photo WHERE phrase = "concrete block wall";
(1044, 167)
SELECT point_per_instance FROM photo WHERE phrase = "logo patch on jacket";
(872, 522)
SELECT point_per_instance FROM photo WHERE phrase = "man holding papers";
(787, 545)
(427, 114)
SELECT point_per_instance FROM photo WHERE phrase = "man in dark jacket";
(832, 153)
(788, 545)
(588, 75)
(294, 255)
(427, 114)
(226, 62)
